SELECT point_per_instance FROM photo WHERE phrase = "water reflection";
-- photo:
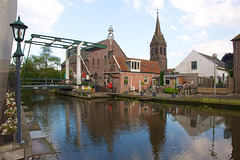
(82, 129)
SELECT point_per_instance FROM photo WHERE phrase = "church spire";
(158, 37)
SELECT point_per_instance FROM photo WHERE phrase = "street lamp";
(214, 80)
(18, 29)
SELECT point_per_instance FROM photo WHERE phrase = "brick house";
(130, 74)
(236, 63)
(96, 60)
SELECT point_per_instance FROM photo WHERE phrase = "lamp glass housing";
(18, 29)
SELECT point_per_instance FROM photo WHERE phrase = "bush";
(170, 90)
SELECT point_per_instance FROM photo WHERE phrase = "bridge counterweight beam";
(67, 67)
(79, 76)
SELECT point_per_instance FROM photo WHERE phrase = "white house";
(202, 64)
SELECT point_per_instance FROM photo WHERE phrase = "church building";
(158, 48)
(111, 67)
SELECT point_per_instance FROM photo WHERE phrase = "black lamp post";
(18, 29)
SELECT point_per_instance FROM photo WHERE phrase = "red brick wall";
(134, 80)
(100, 55)
(236, 56)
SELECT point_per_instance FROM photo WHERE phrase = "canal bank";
(230, 101)
(122, 129)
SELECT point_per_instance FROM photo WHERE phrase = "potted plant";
(172, 91)
(8, 128)
(142, 91)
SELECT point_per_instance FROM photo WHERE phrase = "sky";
(206, 26)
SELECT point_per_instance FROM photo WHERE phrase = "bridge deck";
(46, 87)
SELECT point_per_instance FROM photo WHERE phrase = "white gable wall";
(205, 67)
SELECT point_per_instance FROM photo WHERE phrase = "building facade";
(236, 63)
(129, 74)
(158, 48)
(203, 65)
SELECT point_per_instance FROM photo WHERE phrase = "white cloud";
(173, 27)
(89, 1)
(179, 53)
(137, 4)
(150, 6)
(216, 46)
(184, 37)
(201, 35)
(40, 15)
(204, 13)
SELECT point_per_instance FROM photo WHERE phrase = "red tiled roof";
(146, 65)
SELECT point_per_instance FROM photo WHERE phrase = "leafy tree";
(43, 66)
(162, 78)
(228, 60)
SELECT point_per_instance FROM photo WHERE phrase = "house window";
(109, 66)
(98, 62)
(95, 76)
(156, 50)
(107, 80)
(167, 81)
(126, 81)
(105, 60)
(152, 50)
(194, 65)
(146, 79)
(114, 66)
(93, 62)
(164, 51)
(109, 54)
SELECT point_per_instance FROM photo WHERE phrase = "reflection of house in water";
(233, 131)
(195, 123)
(156, 125)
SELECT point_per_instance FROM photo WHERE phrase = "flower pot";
(154, 94)
(173, 95)
(8, 138)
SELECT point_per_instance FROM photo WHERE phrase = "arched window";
(156, 50)
(109, 54)
(161, 50)
(105, 60)
(95, 76)
(164, 51)
(152, 50)
(93, 62)
(98, 62)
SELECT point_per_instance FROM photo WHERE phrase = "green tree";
(228, 60)
(43, 66)
(162, 78)
(47, 63)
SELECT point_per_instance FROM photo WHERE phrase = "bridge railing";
(47, 81)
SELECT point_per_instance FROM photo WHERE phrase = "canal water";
(116, 129)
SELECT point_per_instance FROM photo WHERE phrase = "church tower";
(158, 48)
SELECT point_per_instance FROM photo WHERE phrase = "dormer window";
(134, 65)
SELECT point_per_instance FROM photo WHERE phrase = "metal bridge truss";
(67, 44)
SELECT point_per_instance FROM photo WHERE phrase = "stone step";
(34, 126)
(41, 146)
